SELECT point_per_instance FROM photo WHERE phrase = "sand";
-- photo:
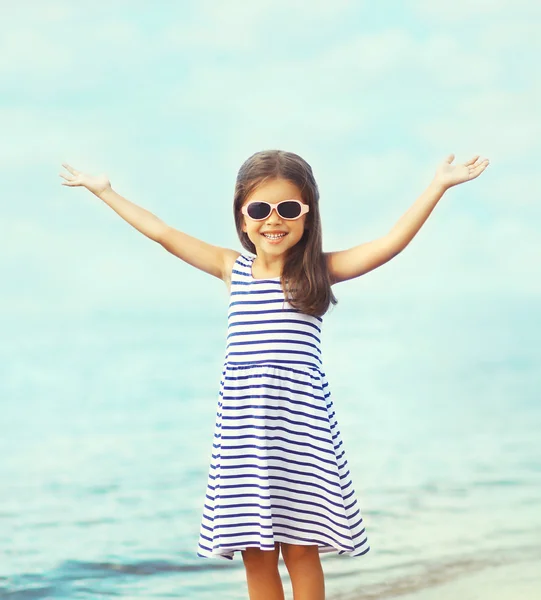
(518, 580)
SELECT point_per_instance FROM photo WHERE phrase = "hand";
(94, 184)
(449, 175)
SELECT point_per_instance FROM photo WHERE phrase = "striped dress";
(278, 471)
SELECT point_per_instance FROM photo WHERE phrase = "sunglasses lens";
(289, 210)
(258, 210)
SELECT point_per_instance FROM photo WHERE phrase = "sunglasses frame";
(304, 209)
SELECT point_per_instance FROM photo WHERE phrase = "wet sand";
(504, 582)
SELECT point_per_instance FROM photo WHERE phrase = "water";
(107, 423)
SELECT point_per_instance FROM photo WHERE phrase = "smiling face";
(274, 191)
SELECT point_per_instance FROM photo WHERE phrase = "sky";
(170, 99)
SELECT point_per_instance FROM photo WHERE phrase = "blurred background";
(112, 348)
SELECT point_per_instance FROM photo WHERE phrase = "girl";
(278, 479)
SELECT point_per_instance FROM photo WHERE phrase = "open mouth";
(274, 236)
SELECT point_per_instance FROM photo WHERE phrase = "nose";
(274, 213)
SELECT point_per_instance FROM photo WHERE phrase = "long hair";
(305, 275)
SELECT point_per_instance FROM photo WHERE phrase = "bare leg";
(305, 570)
(262, 574)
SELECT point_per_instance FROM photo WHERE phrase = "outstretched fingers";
(476, 170)
(70, 180)
(70, 169)
(472, 160)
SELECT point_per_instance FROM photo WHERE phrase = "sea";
(107, 420)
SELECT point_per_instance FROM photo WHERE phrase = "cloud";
(26, 50)
(33, 135)
(239, 26)
(460, 11)
(502, 123)
(438, 59)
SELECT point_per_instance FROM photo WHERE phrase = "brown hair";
(305, 267)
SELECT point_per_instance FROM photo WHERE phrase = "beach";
(474, 579)
(504, 582)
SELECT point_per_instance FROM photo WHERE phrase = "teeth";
(273, 237)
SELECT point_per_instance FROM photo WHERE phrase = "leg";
(304, 568)
(264, 582)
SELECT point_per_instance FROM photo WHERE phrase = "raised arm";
(347, 264)
(214, 260)
(206, 257)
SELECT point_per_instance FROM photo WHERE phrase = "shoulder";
(328, 259)
(229, 259)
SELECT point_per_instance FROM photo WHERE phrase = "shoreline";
(501, 582)
(465, 579)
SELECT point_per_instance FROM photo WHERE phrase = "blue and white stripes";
(263, 328)
(278, 471)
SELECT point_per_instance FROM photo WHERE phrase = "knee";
(255, 558)
(298, 552)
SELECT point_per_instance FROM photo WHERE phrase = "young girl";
(279, 478)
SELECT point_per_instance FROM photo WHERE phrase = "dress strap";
(242, 269)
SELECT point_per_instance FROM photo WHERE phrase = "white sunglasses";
(290, 210)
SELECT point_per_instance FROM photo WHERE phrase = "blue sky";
(169, 100)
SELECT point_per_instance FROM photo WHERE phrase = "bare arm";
(143, 220)
(347, 264)
(206, 257)
(213, 260)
